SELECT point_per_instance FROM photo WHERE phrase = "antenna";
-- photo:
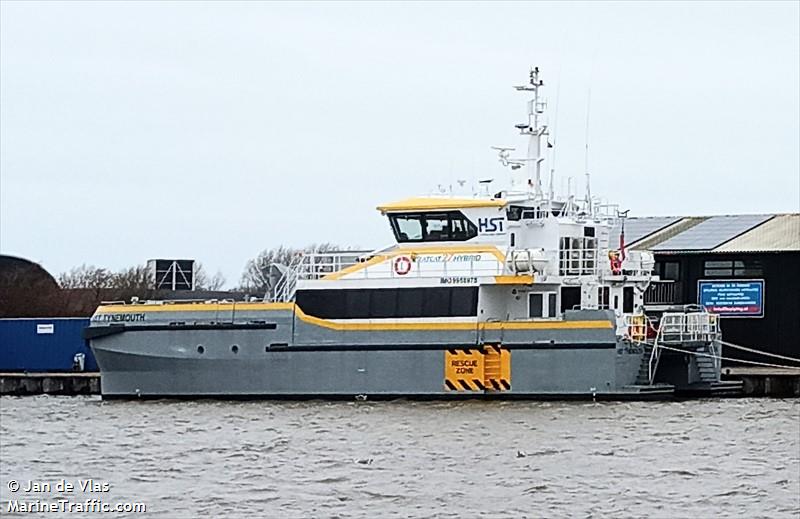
(535, 131)
(586, 155)
(555, 135)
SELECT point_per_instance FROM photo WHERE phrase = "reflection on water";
(698, 458)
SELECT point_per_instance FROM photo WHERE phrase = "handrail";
(655, 356)
(284, 288)
(682, 327)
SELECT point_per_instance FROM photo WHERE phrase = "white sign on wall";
(45, 329)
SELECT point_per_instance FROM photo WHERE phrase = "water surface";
(185, 459)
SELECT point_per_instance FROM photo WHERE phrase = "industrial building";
(746, 268)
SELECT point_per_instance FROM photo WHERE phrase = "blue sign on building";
(742, 298)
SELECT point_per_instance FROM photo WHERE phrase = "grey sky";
(214, 130)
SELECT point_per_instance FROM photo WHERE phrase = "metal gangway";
(680, 328)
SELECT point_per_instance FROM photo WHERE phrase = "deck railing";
(663, 292)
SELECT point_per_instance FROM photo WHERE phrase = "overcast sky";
(131, 131)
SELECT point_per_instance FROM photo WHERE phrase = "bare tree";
(86, 276)
(133, 278)
(256, 277)
(203, 282)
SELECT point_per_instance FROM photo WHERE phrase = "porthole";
(235, 348)
(200, 349)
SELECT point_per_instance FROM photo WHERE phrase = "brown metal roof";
(781, 233)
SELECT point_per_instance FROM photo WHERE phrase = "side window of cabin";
(535, 305)
(542, 305)
(602, 298)
(389, 302)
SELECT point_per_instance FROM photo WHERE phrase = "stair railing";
(284, 288)
(655, 355)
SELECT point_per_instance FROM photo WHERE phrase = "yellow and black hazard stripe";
(497, 368)
(464, 370)
(465, 385)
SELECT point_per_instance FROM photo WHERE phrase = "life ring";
(402, 265)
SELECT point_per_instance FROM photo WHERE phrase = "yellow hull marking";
(513, 280)
(192, 307)
(378, 325)
(411, 325)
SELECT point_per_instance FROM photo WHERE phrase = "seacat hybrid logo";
(118, 318)
(449, 257)
(490, 225)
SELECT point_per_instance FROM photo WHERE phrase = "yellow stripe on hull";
(191, 307)
(375, 325)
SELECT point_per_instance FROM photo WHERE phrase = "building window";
(668, 270)
(732, 268)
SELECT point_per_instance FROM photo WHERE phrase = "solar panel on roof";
(713, 232)
(638, 228)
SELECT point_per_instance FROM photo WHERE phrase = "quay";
(24, 384)
(760, 381)
(757, 382)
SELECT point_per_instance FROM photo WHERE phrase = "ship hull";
(276, 351)
(152, 364)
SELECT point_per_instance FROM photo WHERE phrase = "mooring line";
(721, 357)
(736, 346)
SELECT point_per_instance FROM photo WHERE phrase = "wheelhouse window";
(407, 227)
(515, 213)
(440, 226)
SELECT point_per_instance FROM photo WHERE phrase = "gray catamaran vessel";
(518, 294)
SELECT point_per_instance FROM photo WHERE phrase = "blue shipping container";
(43, 344)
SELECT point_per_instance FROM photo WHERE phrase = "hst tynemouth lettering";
(119, 318)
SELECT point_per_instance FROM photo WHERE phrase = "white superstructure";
(533, 254)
